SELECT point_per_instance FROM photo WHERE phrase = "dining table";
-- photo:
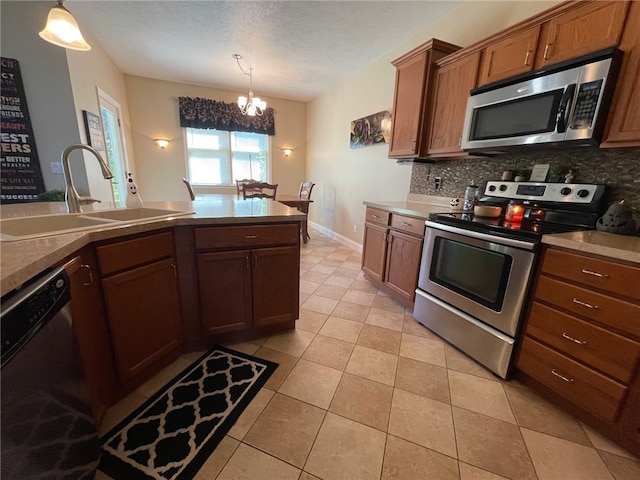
(302, 204)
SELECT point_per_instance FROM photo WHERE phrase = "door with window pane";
(111, 124)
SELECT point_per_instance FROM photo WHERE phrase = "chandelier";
(62, 29)
(251, 106)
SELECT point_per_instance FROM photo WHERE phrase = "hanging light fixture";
(62, 29)
(251, 106)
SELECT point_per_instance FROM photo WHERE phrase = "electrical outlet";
(437, 182)
(355, 228)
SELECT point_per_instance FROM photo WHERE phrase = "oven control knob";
(583, 193)
(565, 191)
(492, 188)
(503, 187)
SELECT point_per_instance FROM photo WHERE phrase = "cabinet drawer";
(604, 350)
(130, 253)
(408, 224)
(377, 216)
(611, 277)
(619, 314)
(246, 236)
(579, 384)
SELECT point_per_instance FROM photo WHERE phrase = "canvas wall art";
(371, 129)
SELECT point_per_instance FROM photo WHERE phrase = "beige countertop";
(617, 247)
(21, 260)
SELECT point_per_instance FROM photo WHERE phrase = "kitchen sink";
(24, 228)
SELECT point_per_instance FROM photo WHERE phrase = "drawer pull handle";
(595, 274)
(585, 304)
(568, 337)
(559, 375)
(405, 224)
(526, 59)
(90, 282)
(175, 270)
(250, 237)
(546, 51)
(374, 216)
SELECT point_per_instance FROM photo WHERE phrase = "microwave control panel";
(586, 105)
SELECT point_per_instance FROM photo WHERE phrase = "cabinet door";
(92, 333)
(452, 86)
(408, 106)
(276, 285)
(511, 56)
(374, 251)
(623, 129)
(144, 316)
(225, 291)
(585, 29)
(403, 262)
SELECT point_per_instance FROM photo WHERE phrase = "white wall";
(346, 177)
(47, 85)
(153, 107)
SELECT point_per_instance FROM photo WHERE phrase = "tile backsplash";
(619, 169)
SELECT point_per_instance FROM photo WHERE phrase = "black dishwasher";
(47, 430)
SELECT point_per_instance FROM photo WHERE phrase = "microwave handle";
(564, 107)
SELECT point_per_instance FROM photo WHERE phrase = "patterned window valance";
(204, 113)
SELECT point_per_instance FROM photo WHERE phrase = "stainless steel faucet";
(71, 196)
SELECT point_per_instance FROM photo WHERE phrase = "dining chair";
(241, 183)
(305, 194)
(260, 190)
(305, 190)
(189, 189)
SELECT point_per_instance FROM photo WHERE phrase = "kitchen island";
(221, 270)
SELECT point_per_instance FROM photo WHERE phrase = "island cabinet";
(140, 289)
(581, 341)
(91, 331)
(248, 277)
(454, 79)
(414, 73)
(391, 252)
(623, 123)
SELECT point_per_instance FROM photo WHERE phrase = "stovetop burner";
(544, 208)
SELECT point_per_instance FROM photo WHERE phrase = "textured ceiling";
(297, 49)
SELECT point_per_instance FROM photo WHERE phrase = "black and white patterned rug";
(175, 431)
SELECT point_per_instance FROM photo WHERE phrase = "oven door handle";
(510, 242)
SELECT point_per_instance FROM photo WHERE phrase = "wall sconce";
(162, 142)
(287, 151)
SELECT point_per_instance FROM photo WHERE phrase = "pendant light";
(62, 29)
(251, 106)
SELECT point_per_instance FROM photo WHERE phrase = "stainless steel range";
(475, 271)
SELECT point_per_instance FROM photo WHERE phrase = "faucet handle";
(88, 200)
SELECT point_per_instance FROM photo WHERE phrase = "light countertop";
(416, 205)
(21, 260)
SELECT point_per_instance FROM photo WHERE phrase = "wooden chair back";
(241, 183)
(305, 190)
(260, 190)
(189, 189)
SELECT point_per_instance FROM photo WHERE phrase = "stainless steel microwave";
(567, 103)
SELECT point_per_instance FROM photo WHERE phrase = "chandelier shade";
(250, 105)
(62, 30)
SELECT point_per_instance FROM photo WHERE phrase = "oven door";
(483, 275)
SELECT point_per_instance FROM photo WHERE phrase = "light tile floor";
(363, 391)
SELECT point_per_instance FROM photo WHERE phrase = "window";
(216, 157)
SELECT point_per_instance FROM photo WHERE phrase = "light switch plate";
(56, 167)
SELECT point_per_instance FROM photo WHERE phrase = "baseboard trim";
(337, 237)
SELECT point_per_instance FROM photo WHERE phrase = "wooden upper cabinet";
(414, 71)
(623, 125)
(588, 27)
(510, 56)
(452, 85)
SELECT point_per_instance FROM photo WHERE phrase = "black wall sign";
(21, 175)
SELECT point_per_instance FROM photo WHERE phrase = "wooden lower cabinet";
(246, 288)
(392, 251)
(249, 277)
(140, 289)
(581, 341)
